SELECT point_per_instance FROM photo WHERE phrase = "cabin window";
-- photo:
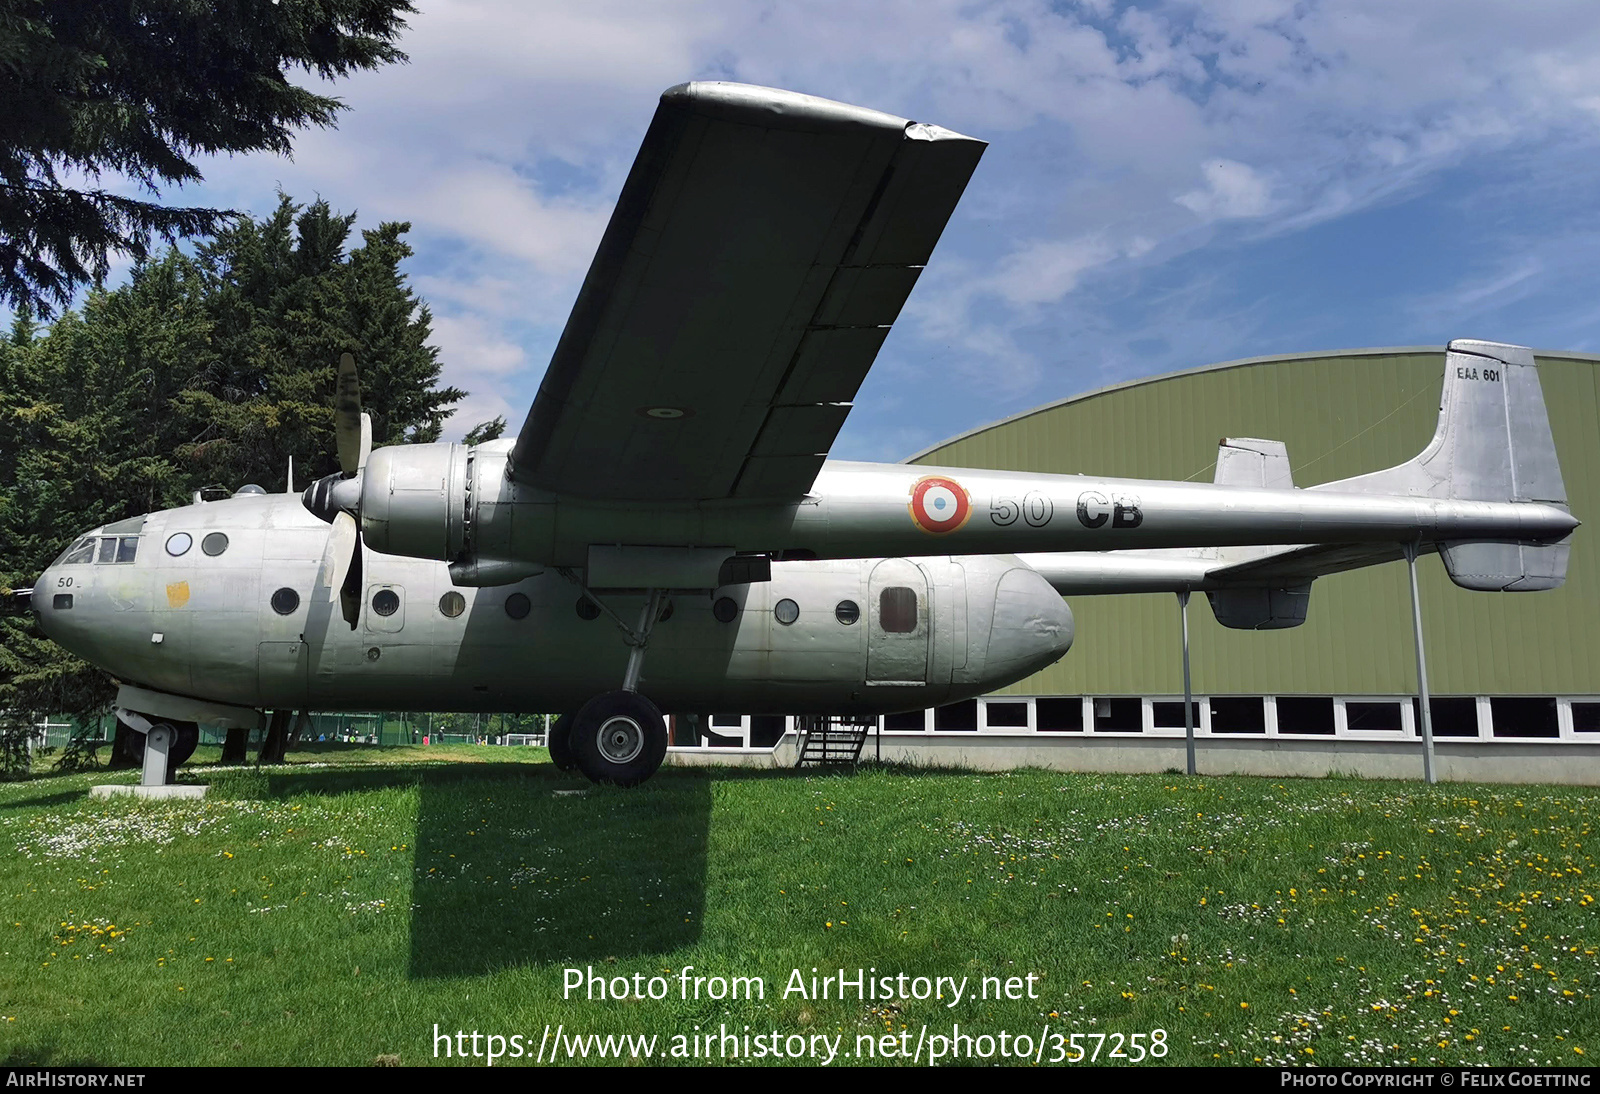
(452, 604)
(786, 611)
(179, 543)
(108, 550)
(587, 609)
(82, 551)
(517, 605)
(61, 601)
(386, 602)
(726, 610)
(285, 601)
(127, 548)
(214, 544)
(897, 610)
(847, 612)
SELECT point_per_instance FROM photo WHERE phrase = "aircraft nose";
(1032, 625)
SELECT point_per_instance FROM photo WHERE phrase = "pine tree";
(140, 88)
(211, 369)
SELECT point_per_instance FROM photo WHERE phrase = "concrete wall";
(1558, 762)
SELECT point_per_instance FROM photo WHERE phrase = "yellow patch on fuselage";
(177, 594)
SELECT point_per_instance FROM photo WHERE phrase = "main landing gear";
(618, 737)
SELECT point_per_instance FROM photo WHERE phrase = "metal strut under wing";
(763, 244)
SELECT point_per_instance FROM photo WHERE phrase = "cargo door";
(897, 624)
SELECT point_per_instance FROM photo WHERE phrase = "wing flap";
(763, 245)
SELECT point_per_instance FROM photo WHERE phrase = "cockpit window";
(108, 549)
(127, 548)
(81, 551)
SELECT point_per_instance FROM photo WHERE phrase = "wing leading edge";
(763, 244)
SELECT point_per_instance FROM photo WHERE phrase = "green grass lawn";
(336, 909)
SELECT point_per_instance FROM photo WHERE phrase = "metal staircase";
(829, 740)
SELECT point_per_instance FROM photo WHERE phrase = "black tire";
(559, 741)
(619, 738)
(186, 735)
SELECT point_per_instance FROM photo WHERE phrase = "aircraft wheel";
(619, 738)
(559, 741)
(186, 735)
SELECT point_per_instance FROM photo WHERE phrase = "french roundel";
(939, 505)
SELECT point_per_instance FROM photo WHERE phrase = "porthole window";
(786, 611)
(587, 609)
(897, 610)
(517, 605)
(179, 544)
(847, 612)
(725, 610)
(285, 601)
(214, 544)
(452, 604)
(385, 602)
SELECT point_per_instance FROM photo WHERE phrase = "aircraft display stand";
(153, 781)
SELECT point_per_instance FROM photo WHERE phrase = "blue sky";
(1168, 184)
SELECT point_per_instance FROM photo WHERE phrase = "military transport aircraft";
(666, 533)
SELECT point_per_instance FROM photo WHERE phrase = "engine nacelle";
(454, 504)
(415, 500)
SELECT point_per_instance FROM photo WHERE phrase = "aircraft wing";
(762, 246)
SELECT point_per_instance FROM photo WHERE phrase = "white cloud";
(1123, 137)
(1232, 190)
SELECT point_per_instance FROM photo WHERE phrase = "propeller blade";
(350, 590)
(347, 417)
(366, 440)
(343, 544)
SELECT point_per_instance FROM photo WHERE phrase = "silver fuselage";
(204, 625)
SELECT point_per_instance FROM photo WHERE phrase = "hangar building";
(1515, 678)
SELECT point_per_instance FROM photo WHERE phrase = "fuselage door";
(898, 624)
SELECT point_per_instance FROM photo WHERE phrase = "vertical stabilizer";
(1250, 461)
(1493, 443)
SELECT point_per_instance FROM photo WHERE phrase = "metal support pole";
(1428, 774)
(1188, 700)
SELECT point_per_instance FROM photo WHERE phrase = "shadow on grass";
(510, 871)
(47, 1055)
(61, 797)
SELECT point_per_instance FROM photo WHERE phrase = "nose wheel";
(618, 738)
